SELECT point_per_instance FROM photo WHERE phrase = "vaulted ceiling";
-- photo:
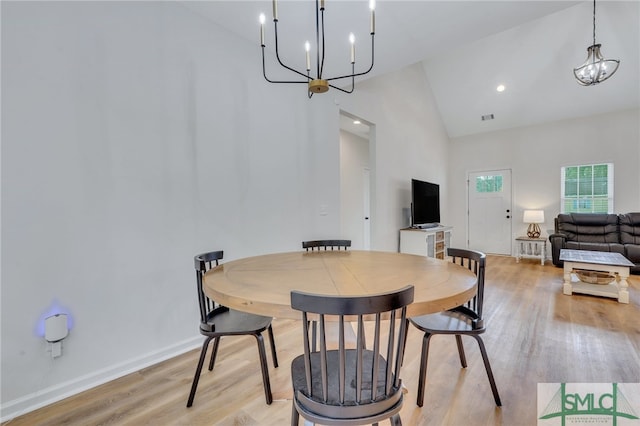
(467, 49)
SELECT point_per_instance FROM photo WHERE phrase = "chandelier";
(317, 82)
(595, 68)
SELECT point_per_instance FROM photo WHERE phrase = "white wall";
(135, 135)
(535, 155)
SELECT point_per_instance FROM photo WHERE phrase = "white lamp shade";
(533, 216)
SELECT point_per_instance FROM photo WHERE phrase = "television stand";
(426, 226)
(431, 242)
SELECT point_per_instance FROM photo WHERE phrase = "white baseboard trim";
(33, 401)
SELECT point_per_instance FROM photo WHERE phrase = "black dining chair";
(464, 320)
(351, 386)
(217, 321)
(317, 245)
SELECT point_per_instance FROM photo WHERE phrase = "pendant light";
(595, 68)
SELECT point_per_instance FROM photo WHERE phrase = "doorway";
(490, 211)
(356, 180)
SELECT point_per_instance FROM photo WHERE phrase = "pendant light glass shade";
(595, 68)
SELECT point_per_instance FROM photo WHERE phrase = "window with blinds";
(587, 188)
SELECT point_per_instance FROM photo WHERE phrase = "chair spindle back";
(381, 378)
(318, 245)
(475, 261)
(203, 262)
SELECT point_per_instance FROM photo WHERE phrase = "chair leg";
(273, 347)
(404, 341)
(295, 417)
(487, 366)
(423, 368)
(265, 370)
(396, 420)
(196, 378)
(463, 359)
(214, 353)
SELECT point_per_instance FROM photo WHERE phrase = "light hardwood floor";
(535, 335)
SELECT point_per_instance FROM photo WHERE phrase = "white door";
(366, 183)
(490, 211)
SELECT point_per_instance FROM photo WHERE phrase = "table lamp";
(533, 218)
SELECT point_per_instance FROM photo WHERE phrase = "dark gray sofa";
(599, 232)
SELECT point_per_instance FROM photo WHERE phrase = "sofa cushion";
(632, 252)
(589, 227)
(630, 228)
(609, 247)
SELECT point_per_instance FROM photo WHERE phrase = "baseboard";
(33, 401)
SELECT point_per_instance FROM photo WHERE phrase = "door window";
(485, 184)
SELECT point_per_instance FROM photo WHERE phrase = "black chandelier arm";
(353, 82)
(342, 90)
(353, 74)
(264, 73)
(594, 22)
(320, 64)
(275, 22)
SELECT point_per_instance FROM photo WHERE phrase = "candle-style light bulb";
(352, 40)
(372, 6)
(275, 10)
(307, 47)
(262, 19)
(321, 4)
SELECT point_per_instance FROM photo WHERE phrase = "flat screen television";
(425, 204)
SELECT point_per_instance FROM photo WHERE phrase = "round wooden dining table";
(262, 284)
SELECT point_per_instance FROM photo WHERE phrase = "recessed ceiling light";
(356, 121)
(500, 88)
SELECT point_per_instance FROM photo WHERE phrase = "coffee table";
(612, 263)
